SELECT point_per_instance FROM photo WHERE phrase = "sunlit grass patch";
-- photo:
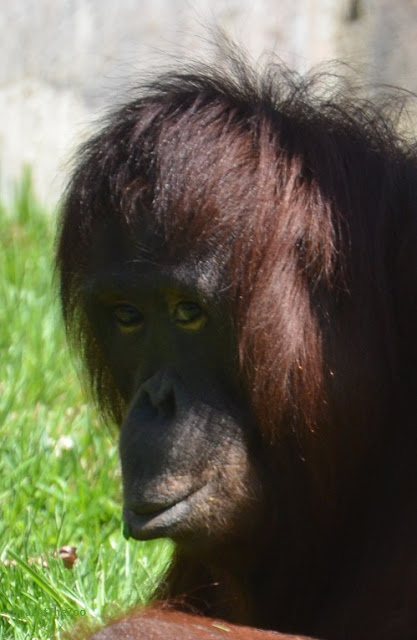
(60, 478)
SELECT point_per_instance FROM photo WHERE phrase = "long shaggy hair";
(306, 196)
(309, 196)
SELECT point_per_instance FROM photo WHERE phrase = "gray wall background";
(64, 61)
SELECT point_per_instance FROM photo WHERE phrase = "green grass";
(60, 478)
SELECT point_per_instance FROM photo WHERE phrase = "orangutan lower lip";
(154, 521)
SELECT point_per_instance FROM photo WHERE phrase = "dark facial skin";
(185, 438)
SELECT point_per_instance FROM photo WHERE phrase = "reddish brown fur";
(160, 624)
(310, 200)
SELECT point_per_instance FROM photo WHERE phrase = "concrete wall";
(65, 60)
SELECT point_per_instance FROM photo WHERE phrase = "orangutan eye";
(127, 316)
(189, 315)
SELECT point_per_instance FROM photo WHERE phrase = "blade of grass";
(40, 580)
